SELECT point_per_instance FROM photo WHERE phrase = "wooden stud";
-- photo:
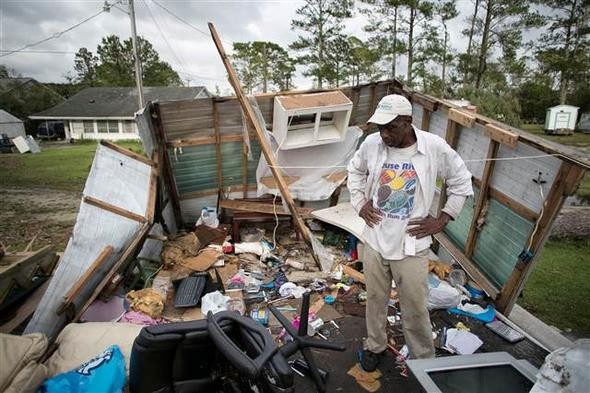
(215, 191)
(207, 140)
(470, 268)
(153, 192)
(427, 103)
(510, 203)
(218, 156)
(127, 152)
(266, 149)
(245, 167)
(486, 178)
(75, 290)
(114, 209)
(501, 135)
(466, 119)
(425, 119)
(166, 171)
(552, 205)
(259, 207)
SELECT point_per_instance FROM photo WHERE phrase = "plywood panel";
(472, 145)
(438, 123)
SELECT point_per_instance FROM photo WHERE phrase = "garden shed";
(561, 119)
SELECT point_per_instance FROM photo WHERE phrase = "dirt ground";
(48, 214)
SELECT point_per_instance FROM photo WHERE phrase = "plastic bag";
(208, 217)
(214, 302)
(104, 373)
(441, 294)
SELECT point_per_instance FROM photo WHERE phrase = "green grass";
(558, 289)
(61, 167)
(578, 140)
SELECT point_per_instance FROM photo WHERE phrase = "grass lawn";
(58, 166)
(558, 289)
(578, 140)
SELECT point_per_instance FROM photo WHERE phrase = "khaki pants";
(410, 275)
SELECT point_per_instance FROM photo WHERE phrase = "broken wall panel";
(123, 182)
(515, 177)
(185, 120)
(472, 146)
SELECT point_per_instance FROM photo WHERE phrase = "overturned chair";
(224, 353)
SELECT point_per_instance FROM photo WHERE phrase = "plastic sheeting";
(116, 179)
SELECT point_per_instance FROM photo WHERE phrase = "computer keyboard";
(190, 290)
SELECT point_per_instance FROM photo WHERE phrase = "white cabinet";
(301, 120)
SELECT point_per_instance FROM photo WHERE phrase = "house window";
(129, 127)
(102, 126)
(88, 126)
(113, 126)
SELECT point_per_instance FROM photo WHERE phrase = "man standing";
(392, 180)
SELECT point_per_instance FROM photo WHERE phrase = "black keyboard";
(190, 290)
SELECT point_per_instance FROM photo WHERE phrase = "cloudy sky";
(193, 54)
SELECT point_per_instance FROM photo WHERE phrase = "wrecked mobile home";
(240, 204)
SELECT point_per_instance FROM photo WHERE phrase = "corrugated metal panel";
(500, 241)
(457, 229)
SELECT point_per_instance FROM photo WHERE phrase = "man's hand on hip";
(428, 226)
(371, 215)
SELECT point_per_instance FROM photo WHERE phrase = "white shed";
(11, 125)
(561, 119)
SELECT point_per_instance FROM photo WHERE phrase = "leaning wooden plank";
(266, 150)
(259, 207)
(469, 267)
(502, 135)
(127, 152)
(118, 180)
(464, 118)
(83, 281)
(113, 209)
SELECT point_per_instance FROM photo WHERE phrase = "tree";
(114, 65)
(321, 22)
(535, 96)
(446, 11)
(337, 60)
(85, 67)
(564, 47)
(501, 26)
(420, 12)
(261, 64)
(383, 28)
(466, 60)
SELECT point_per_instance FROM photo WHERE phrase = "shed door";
(562, 120)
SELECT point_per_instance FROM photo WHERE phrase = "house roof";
(562, 106)
(95, 102)
(6, 118)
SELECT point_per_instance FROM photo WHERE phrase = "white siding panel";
(438, 123)
(473, 144)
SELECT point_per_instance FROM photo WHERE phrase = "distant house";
(11, 125)
(108, 112)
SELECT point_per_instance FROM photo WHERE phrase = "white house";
(108, 112)
(10, 125)
(561, 119)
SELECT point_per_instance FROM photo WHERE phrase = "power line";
(105, 8)
(58, 52)
(185, 22)
(180, 62)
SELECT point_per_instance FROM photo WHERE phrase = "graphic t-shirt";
(398, 198)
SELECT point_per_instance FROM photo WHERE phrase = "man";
(392, 180)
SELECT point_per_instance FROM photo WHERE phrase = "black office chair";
(224, 353)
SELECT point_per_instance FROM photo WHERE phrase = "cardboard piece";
(203, 261)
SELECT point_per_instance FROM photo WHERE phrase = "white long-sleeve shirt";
(433, 157)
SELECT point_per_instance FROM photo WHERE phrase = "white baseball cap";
(389, 108)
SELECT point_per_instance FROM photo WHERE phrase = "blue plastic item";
(104, 373)
(487, 316)
(329, 299)
(474, 292)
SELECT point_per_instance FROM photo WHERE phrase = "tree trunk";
(321, 45)
(411, 44)
(563, 77)
(394, 52)
(483, 51)
(265, 70)
(471, 30)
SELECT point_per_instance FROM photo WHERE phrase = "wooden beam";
(166, 171)
(264, 145)
(259, 207)
(425, 119)
(466, 119)
(469, 267)
(245, 168)
(131, 250)
(153, 192)
(426, 103)
(486, 178)
(214, 191)
(218, 156)
(114, 209)
(501, 135)
(127, 152)
(551, 207)
(75, 290)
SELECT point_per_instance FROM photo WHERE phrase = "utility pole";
(138, 80)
